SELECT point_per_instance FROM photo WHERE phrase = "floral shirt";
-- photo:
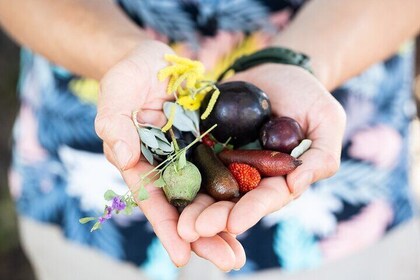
(55, 146)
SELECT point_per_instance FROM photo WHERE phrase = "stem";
(134, 118)
(171, 132)
(227, 141)
(173, 156)
(170, 158)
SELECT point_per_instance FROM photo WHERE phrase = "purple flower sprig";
(119, 203)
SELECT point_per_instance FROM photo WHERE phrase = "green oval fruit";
(181, 185)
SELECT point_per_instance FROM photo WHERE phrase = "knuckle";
(101, 123)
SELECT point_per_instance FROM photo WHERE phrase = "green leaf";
(181, 120)
(96, 226)
(194, 116)
(109, 195)
(86, 220)
(128, 209)
(143, 194)
(145, 181)
(252, 146)
(218, 147)
(160, 183)
(182, 160)
(164, 146)
(159, 135)
(133, 203)
(148, 138)
(159, 152)
(147, 154)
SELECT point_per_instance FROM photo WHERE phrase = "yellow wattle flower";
(189, 103)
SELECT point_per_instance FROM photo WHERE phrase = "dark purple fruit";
(240, 111)
(281, 134)
(183, 139)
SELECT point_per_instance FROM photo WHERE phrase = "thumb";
(122, 91)
(131, 85)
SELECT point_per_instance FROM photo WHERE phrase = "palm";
(132, 85)
(293, 93)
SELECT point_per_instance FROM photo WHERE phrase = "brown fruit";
(216, 178)
(268, 163)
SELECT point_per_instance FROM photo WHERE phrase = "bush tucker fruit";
(217, 179)
(247, 176)
(239, 112)
(181, 185)
(268, 163)
(281, 134)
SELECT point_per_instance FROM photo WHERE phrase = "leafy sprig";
(125, 203)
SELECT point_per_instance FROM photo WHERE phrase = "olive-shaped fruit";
(217, 179)
(281, 134)
(240, 111)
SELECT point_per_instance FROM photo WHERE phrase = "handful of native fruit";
(220, 139)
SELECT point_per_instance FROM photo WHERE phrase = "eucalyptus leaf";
(143, 194)
(160, 183)
(148, 138)
(86, 220)
(181, 120)
(182, 161)
(160, 135)
(159, 152)
(194, 116)
(109, 195)
(147, 154)
(165, 146)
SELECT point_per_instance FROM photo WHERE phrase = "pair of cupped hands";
(207, 227)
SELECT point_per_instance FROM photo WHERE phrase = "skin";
(361, 29)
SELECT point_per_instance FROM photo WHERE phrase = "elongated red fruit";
(268, 163)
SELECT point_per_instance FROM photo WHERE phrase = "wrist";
(116, 49)
(323, 64)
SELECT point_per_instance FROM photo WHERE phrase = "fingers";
(237, 248)
(188, 217)
(129, 86)
(202, 223)
(120, 94)
(223, 250)
(322, 160)
(162, 216)
(271, 195)
(121, 138)
(214, 218)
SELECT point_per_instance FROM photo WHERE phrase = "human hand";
(132, 85)
(297, 94)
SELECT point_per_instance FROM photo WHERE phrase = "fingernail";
(122, 154)
(302, 183)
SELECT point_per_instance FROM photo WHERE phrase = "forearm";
(344, 37)
(85, 36)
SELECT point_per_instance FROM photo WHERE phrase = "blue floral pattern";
(55, 143)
